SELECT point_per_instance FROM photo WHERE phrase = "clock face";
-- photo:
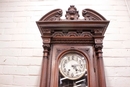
(72, 66)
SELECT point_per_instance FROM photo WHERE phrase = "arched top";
(53, 15)
(90, 14)
(72, 14)
(71, 50)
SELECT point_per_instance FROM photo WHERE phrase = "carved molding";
(46, 31)
(71, 42)
(86, 34)
(72, 13)
(98, 31)
(72, 34)
(72, 37)
(58, 34)
(89, 14)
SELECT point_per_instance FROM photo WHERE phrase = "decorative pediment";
(53, 15)
(72, 14)
(72, 29)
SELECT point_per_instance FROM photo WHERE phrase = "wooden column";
(46, 46)
(44, 66)
(100, 65)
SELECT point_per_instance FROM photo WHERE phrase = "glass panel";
(73, 71)
(64, 82)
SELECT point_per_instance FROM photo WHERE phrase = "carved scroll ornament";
(53, 15)
(89, 14)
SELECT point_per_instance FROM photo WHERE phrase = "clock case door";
(75, 34)
(81, 49)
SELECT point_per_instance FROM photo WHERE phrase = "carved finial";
(72, 13)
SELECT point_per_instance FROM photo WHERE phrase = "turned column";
(100, 65)
(45, 62)
(44, 66)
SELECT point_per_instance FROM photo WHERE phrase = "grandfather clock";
(72, 55)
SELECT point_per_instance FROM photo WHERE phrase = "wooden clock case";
(61, 36)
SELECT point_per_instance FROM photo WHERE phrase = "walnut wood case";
(84, 36)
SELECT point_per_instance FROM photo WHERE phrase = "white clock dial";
(72, 66)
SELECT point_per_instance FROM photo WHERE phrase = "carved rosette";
(72, 13)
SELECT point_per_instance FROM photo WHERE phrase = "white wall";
(21, 44)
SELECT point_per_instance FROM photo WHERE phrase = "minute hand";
(74, 66)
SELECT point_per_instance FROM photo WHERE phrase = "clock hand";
(74, 66)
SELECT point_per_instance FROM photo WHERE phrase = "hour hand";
(74, 66)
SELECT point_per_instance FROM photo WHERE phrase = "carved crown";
(90, 30)
(72, 14)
